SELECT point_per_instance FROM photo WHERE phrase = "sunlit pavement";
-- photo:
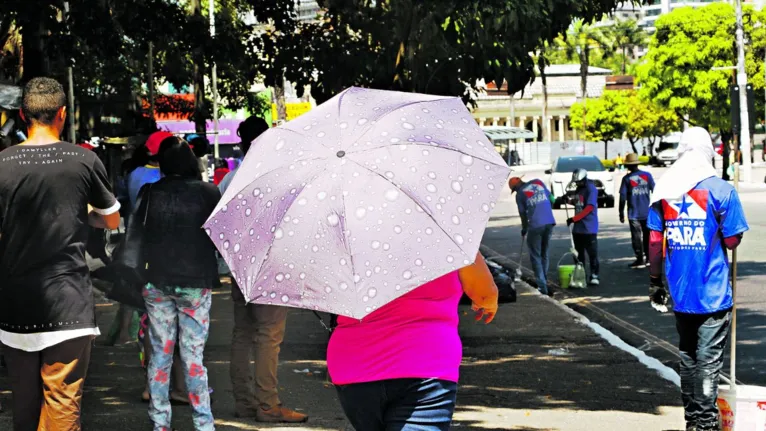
(534, 368)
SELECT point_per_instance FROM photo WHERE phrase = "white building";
(652, 9)
(307, 10)
(495, 109)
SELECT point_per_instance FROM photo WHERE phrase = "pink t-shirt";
(414, 336)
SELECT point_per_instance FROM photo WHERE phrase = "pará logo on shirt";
(535, 193)
(639, 184)
(685, 220)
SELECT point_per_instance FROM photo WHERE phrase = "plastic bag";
(578, 279)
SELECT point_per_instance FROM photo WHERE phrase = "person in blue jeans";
(635, 191)
(585, 221)
(537, 222)
(694, 219)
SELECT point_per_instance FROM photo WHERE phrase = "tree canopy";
(678, 70)
(603, 119)
(430, 46)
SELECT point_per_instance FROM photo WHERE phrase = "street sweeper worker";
(537, 222)
(585, 221)
(694, 218)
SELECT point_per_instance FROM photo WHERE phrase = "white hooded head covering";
(695, 164)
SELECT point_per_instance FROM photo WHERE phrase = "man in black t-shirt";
(50, 193)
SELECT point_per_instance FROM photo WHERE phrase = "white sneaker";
(594, 281)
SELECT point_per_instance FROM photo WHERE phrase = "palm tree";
(578, 42)
(542, 63)
(627, 35)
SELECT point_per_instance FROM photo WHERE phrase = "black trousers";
(702, 343)
(587, 243)
(639, 235)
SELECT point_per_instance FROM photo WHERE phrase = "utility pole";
(742, 83)
(214, 83)
(70, 81)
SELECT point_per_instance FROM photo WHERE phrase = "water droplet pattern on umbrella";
(407, 203)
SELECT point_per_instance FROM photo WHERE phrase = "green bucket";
(565, 275)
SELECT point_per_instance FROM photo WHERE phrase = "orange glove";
(479, 285)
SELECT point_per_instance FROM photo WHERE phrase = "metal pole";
(70, 82)
(214, 78)
(733, 356)
(742, 82)
(150, 60)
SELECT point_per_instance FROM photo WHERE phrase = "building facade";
(525, 109)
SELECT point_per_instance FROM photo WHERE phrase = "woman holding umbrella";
(399, 366)
(371, 206)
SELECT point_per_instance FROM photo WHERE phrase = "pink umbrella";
(358, 202)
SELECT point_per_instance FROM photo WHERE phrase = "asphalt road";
(621, 302)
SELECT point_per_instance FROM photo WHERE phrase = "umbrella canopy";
(358, 202)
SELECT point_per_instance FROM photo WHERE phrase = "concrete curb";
(652, 363)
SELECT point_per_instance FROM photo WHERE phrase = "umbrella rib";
(418, 102)
(279, 225)
(272, 171)
(424, 144)
(413, 200)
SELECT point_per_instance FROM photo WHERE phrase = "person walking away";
(398, 368)
(695, 216)
(585, 221)
(145, 170)
(534, 202)
(258, 333)
(150, 172)
(618, 162)
(50, 193)
(221, 170)
(181, 267)
(635, 190)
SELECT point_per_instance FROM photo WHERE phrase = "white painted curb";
(663, 370)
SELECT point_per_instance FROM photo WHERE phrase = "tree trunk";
(198, 58)
(633, 145)
(606, 148)
(35, 60)
(652, 141)
(624, 59)
(279, 97)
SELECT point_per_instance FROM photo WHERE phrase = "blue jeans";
(537, 242)
(399, 404)
(702, 343)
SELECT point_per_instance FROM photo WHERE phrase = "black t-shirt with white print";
(44, 195)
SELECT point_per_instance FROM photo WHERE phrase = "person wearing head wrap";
(694, 217)
(585, 222)
(534, 202)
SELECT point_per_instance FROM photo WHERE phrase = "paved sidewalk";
(534, 368)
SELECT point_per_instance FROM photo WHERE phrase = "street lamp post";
(742, 83)
(214, 79)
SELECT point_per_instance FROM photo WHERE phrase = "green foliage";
(579, 42)
(677, 70)
(648, 120)
(609, 164)
(626, 35)
(603, 119)
(431, 46)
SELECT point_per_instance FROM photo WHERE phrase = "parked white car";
(667, 151)
(561, 176)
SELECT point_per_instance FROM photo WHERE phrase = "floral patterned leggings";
(173, 309)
